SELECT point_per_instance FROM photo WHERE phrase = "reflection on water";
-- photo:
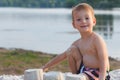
(104, 25)
(50, 30)
(108, 27)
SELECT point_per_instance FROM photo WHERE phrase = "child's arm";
(102, 56)
(54, 61)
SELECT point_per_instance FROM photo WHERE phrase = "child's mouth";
(84, 26)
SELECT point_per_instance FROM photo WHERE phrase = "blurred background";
(46, 25)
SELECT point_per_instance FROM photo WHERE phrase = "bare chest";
(87, 47)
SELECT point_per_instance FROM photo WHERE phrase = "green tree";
(52, 3)
(69, 3)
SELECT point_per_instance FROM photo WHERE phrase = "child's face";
(83, 20)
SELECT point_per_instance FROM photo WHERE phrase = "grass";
(16, 61)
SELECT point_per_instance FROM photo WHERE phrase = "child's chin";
(85, 28)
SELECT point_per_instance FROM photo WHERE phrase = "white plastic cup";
(53, 75)
(33, 74)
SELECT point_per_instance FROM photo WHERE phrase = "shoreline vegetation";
(16, 61)
(98, 4)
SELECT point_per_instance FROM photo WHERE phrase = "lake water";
(51, 31)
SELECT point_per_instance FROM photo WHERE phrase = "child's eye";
(86, 18)
(78, 19)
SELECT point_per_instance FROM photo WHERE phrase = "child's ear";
(94, 21)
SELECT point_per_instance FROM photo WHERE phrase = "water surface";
(51, 31)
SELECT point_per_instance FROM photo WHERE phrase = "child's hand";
(44, 69)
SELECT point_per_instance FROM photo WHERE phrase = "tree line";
(98, 4)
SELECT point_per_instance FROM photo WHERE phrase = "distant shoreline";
(9, 49)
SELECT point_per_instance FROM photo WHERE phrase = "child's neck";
(86, 35)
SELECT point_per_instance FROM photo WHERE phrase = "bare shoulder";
(98, 39)
(100, 43)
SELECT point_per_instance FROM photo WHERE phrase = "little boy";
(87, 55)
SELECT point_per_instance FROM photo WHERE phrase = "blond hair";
(83, 6)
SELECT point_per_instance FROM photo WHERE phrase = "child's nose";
(83, 20)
